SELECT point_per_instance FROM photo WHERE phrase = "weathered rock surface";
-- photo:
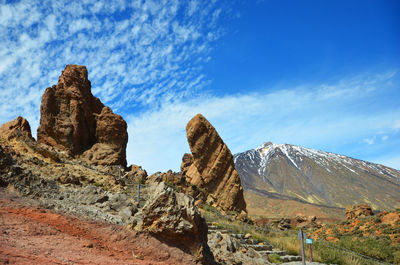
(16, 128)
(356, 211)
(75, 121)
(284, 224)
(211, 166)
(172, 217)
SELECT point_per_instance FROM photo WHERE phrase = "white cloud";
(369, 140)
(384, 137)
(136, 52)
(313, 117)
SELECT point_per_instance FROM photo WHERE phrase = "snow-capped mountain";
(287, 171)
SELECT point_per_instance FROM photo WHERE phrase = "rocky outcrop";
(17, 128)
(211, 166)
(356, 211)
(301, 221)
(172, 217)
(75, 121)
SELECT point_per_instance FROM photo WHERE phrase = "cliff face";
(211, 167)
(75, 121)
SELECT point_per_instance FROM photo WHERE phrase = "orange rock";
(73, 120)
(211, 166)
(391, 218)
(378, 232)
(18, 127)
(332, 239)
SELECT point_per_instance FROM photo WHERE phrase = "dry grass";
(285, 240)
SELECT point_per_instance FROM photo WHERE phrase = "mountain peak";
(317, 177)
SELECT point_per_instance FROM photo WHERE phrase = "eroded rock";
(172, 217)
(18, 127)
(211, 166)
(75, 121)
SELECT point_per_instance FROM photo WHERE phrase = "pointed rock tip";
(18, 126)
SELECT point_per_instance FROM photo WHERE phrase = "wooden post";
(309, 245)
(301, 237)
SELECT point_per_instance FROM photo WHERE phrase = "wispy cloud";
(136, 51)
(319, 116)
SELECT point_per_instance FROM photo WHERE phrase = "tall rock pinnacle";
(75, 121)
(211, 166)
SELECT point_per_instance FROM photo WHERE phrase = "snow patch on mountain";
(263, 154)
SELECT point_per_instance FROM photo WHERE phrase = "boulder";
(18, 127)
(356, 211)
(173, 218)
(75, 121)
(211, 167)
(301, 221)
(284, 224)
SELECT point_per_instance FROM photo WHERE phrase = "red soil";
(30, 235)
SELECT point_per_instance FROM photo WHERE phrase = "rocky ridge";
(210, 167)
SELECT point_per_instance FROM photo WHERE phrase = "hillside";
(319, 179)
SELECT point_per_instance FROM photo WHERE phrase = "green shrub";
(275, 258)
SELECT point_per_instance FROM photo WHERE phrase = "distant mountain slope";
(284, 171)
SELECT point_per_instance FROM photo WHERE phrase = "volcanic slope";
(302, 175)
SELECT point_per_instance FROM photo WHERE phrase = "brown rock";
(16, 128)
(392, 218)
(135, 175)
(75, 121)
(211, 166)
(284, 224)
(172, 217)
(356, 211)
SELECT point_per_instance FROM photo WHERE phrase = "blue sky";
(320, 74)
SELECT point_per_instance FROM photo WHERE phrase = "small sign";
(308, 241)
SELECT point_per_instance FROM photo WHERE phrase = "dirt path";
(30, 235)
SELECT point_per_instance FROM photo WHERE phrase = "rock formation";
(356, 211)
(16, 128)
(172, 217)
(211, 166)
(75, 121)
